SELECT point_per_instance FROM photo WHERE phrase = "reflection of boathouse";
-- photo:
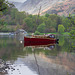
(20, 33)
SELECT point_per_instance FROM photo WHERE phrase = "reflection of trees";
(72, 43)
(10, 48)
(63, 46)
(66, 46)
(52, 52)
(65, 43)
(61, 40)
(49, 58)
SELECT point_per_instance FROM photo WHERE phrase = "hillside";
(63, 8)
(33, 6)
(48, 6)
(17, 4)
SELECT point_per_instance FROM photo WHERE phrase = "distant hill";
(60, 7)
(33, 6)
(63, 8)
(17, 4)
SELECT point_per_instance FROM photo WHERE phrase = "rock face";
(17, 4)
(33, 6)
(48, 6)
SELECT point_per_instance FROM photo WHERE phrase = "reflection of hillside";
(62, 64)
(51, 65)
(65, 60)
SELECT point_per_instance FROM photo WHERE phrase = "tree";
(13, 13)
(66, 22)
(57, 19)
(3, 5)
(29, 24)
(37, 33)
(41, 28)
(50, 24)
(1, 13)
(46, 15)
(61, 28)
(72, 34)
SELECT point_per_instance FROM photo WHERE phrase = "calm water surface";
(55, 59)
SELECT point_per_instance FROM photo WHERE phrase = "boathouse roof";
(21, 30)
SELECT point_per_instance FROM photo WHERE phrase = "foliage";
(61, 28)
(29, 23)
(72, 34)
(11, 48)
(56, 20)
(66, 22)
(3, 5)
(46, 15)
(72, 27)
(61, 40)
(41, 28)
(1, 14)
(32, 23)
(37, 33)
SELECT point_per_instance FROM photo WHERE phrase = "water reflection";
(44, 46)
(52, 59)
(19, 68)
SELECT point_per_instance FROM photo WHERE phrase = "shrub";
(72, 33)
(41, 28)
(61, 28)
(37, 33)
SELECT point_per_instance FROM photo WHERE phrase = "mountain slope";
(33, 6)
(17, 4)
(48, 6)
(63, 8)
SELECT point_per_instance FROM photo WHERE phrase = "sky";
(17, 0)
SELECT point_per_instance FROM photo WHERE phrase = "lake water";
(55, 59)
